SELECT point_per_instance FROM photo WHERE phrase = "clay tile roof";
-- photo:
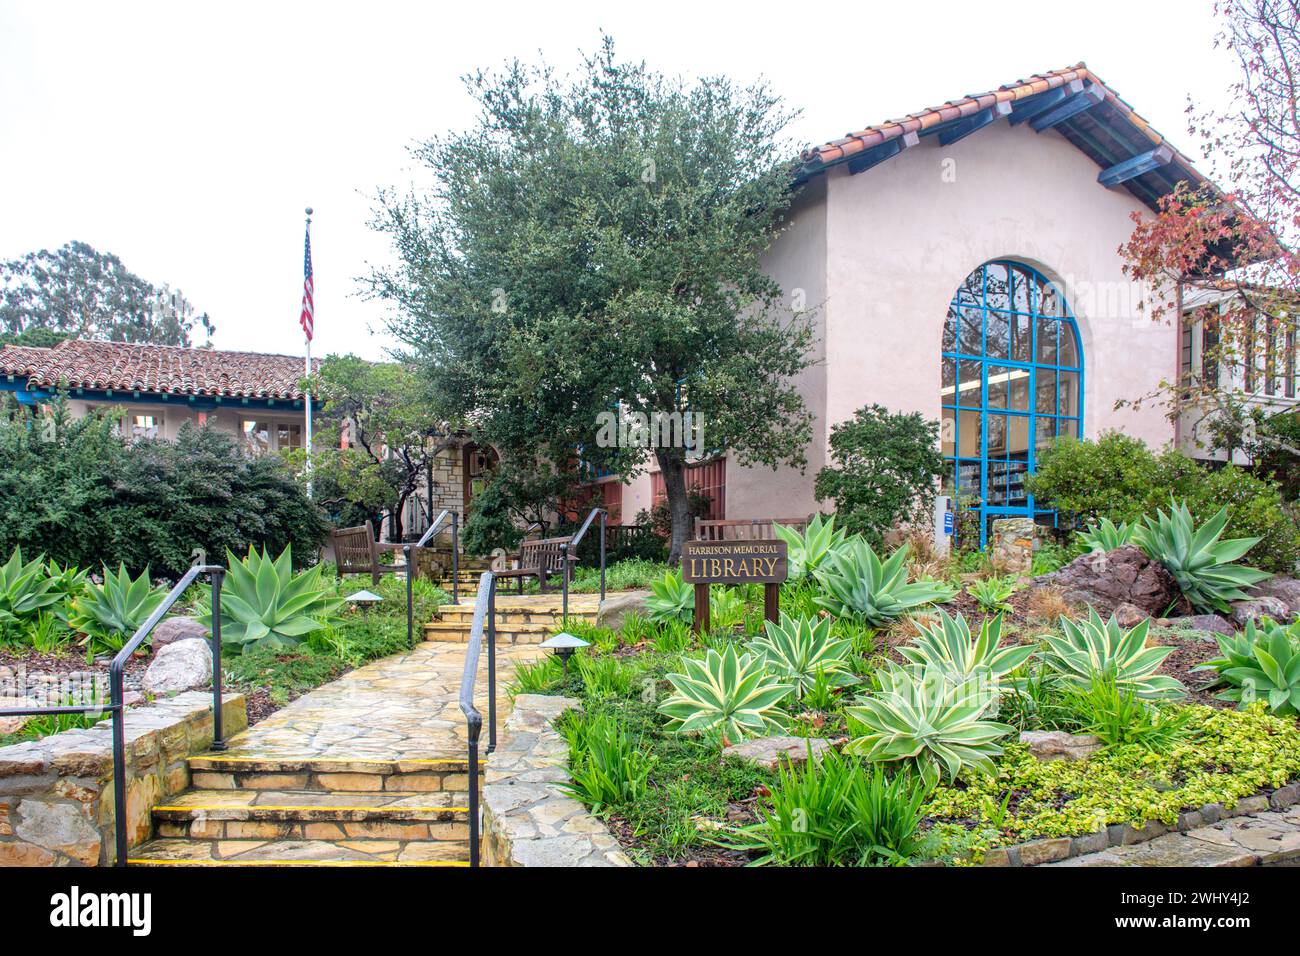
(839, 150)
(156, 369)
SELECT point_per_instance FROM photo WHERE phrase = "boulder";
(179, 628)
(618, 606)
(770, 753)
(182, 665)
(1285, 589)
(1253, 609)
(1123, 576)
(1211, 623)
(1058, 745)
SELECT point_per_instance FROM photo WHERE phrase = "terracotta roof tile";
(852, 143)
(156, 369)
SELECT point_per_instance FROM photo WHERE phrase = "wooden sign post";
(764, 562)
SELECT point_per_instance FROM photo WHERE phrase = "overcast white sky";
(187, 138)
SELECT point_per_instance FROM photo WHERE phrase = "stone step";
(363, 852)
(455, 632)
(312, 815)
(233, 772)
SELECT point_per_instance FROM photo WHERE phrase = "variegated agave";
(1200, 563)
(922, 719)
(948, 646)
(797, 649)
(1093, 649)
(859, 585)
(1105, 535)
(809, 550)
(728, 693)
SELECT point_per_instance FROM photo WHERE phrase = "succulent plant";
(1202, 565)
(728, 693)
(109, 614)
(947, 645)
(671, 598)
(859, 585)
(25, 589)
(1092, 649)
(807, 551)
(1261, 664)
(798, 649)
(1105, 535)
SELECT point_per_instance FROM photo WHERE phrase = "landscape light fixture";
(364, 600)
(564, 644)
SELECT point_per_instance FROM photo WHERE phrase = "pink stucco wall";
(883, 251)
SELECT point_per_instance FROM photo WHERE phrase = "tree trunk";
(395, 520)
(672, 465)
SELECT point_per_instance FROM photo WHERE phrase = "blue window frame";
(1012, 382)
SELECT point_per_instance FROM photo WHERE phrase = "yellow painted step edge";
(145, 861)
(242, 806)
(222, 758)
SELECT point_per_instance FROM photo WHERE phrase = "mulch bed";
(72, 661)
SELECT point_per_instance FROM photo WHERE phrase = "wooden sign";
(764, 562)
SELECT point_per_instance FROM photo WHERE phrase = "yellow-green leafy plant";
(109, 614)
(728, 693)
(992, 594)
(1092, 649)
(25, 590)
(859, 585)
(726, 607)
(1105, 535)
(1202, 565)
(264, 604)
(800, 649)
(922, 720)
(1262, 664)
(671, 598)
(947, 644)
(807, 551)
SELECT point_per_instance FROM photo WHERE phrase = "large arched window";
(1012, 382)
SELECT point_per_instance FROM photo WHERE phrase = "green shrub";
(538, 677)
(835, 812)
(1119, 478)
(109, 614)
(604, 676)
(884, 470)
(858, 584)
(1119, 717)
(77, 492)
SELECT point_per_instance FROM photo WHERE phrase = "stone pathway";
(1268, 839)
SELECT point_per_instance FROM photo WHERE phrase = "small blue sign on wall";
(949, 521)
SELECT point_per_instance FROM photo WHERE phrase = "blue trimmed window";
(1012, 383)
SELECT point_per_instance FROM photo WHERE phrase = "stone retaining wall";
(1055, 849)
(527, 819)
(56, 794)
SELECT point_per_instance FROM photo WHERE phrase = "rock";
(11, 725)
(1243, 612)
(1211, 623)
(616, 607)
(1038, 852)
(179, 628)
(1058, 745)
(1123, 576)
(1285, 589)
(770, 753)
(1012, 547)
(179, 666)
(1129, 615)
(59, 826)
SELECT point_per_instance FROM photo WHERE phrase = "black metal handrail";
(117, 695)
(408, 555)
(572, 544)
(484, 612)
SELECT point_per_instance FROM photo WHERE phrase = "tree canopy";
(592, 244)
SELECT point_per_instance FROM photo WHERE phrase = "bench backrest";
(542, 554)
(744, 529)
(354, 550)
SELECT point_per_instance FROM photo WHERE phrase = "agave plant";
(671, 598)
(728, 693)
(992, 594)
(947, 646)
(108, 614)
(1092, 649)
(68, 579)
(1200, 563)
(809, 550)
(923, 719)
(1105, 535)
(24, 589)
(265, 604)
(799, 649)
(1261, 664)
(859, 585)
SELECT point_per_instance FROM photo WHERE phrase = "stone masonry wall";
(527, 819)
(56, 794)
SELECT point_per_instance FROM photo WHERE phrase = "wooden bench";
(744, 529)
(540, 558)
(357, 552)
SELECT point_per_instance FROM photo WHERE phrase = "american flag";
(307, 319)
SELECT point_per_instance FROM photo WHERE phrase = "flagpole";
(307, 392)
